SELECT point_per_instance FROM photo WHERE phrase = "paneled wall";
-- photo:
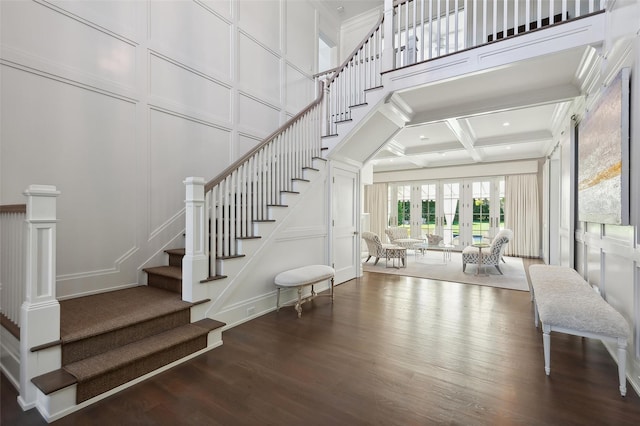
(608, 256)
(116, 102)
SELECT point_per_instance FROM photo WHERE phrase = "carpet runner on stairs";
(112, 338)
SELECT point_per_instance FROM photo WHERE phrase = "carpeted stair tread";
(89, 368)
(166, 271)
(92, 315)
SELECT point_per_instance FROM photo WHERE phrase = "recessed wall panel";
(618, 278)
(593, 265)
(261, 19)
(49, 39)
(223, 7)
(117, 16)
(87, 150)
(191, 33)
(301, 37)
(189, 90)
(259, 71)
(257, 117)
(300, 90)
(180, 148)
(245, 144)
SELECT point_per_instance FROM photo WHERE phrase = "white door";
(345, 237)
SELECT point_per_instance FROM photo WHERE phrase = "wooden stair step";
(100, 373)
(175, 256)
(165, 277)
(88, 316)
(54, 381)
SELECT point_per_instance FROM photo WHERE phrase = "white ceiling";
(463, 120)
(351, 8)
(503, 114)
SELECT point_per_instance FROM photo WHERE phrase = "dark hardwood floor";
(391, 350)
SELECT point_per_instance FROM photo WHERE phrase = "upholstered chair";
(491, 255)
(376, 248)
(396, 233)
(433, 239)
(399, 236)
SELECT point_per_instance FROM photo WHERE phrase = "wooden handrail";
(222, 176)
(397, 3)
(13, 208)
(364, 40)
(329, 71)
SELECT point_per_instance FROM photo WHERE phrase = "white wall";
(116, 103)
(354, 30)
(300, 238)
(609, 256)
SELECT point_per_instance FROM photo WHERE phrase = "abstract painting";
(603, 156)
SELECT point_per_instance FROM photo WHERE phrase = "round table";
(480, 246)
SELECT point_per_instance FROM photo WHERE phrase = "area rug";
(432, 266)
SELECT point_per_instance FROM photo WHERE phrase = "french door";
(482, 209)
(462, 212)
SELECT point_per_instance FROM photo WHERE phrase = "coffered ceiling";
(503, 114)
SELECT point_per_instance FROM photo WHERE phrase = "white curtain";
(522, 215)
(376, 200)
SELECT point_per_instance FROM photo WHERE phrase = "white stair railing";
(427, 29)
(346, 85)
(227, 208)
(28, 244)
(12, 262)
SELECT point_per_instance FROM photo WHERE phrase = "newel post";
(387, 52)
(195, 264)
(40, 312)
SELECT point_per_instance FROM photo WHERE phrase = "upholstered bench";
(301, 277)
(566, 303)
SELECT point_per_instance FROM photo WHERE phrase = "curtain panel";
(522, 215)
(376, 199)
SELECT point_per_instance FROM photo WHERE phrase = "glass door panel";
(449, 221)
(404, 206)
(481, 207)
(500, 214)
(428, 210)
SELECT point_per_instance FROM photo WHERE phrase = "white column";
(195, 263)
(40, 312)
(387, 53)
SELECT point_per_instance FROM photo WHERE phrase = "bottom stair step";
(103, 372)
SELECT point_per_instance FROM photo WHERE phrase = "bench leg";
(331, 289)
(622, 365)
(536, 317)
(299, 302)
(546, 342)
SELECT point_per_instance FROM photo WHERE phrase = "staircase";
(112, 340)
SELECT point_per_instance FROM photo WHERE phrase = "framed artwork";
(603, 156)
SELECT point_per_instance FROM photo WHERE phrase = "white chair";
(493, 253)
(400, 237)
(376, 248)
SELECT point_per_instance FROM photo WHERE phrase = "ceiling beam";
(540, 96)
(465, 136)
(534, 136)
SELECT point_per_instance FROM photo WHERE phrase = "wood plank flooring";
(391, 350)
